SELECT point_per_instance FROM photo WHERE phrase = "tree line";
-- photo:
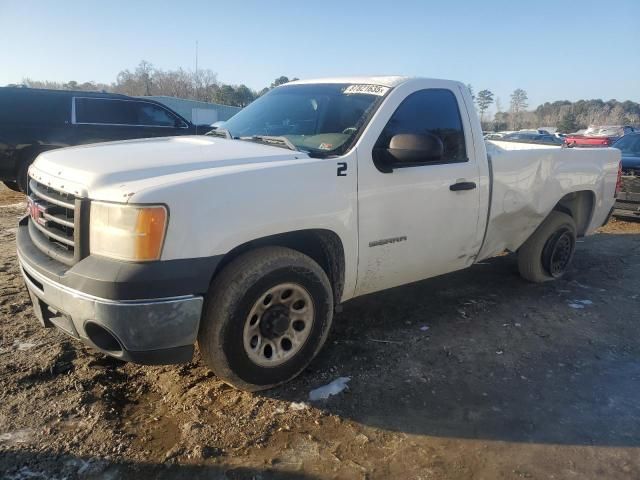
(565, 116)
(203, 85)
(145, 80)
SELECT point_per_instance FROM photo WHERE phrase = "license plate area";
(49, 316)
(39, 308)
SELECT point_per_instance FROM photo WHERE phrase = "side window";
(104, 111)
(153, 115)
(22, 106)
(432, 111)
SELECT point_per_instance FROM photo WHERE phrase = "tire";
(12, 186)
(547, 254)
(244, 335)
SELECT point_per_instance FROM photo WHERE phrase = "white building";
(198, 113)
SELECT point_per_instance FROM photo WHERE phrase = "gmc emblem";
(36, 211)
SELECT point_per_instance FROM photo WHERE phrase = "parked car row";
(599, 136)
(594, 136)
(538, 135)
(33, 121)
(533, 137)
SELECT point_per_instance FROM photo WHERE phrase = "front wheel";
(266, 316)
(546, 255)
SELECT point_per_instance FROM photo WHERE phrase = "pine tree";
(484, 101)
(568, 124)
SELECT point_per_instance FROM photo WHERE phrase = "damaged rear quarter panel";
(528, 183)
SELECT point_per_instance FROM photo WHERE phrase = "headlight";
(127, 232)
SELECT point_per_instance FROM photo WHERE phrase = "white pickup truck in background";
(320, 191)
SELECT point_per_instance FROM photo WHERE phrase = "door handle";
(457, 187)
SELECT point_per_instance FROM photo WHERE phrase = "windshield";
(629, 145)
(321, 119)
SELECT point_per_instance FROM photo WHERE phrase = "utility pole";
(197, 80)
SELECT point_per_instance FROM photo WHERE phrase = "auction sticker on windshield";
(366, 89)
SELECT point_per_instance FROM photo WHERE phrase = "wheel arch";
(580, 206)
(323, 246)
(31, 152)
(27, 155)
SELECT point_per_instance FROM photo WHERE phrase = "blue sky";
(552, 49)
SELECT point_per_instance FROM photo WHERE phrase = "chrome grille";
(53, 221)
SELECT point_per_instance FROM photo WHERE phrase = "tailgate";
(628, 201)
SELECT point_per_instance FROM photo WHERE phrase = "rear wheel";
(266, 316)
(547, 254)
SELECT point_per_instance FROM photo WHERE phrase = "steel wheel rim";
(561, 254)
(278, 324)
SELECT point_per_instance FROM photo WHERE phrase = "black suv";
(34, 120)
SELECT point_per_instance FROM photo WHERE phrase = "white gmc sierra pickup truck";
(320, 191)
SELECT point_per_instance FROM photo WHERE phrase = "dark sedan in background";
(35, 120)
(532, 137)
(628, 201)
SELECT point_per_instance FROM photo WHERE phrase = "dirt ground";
(475, 374)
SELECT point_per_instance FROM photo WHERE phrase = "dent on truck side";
(529, 184)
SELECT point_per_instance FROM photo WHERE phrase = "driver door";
(414, 221)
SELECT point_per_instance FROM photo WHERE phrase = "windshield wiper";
(282, 142)
(220, 132)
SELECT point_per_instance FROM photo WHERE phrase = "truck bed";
(528, 180)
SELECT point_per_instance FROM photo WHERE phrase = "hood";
(86, 169)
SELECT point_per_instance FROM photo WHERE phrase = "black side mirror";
(416, 148)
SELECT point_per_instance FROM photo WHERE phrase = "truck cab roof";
(384, 80)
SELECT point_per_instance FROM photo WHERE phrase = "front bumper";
(158, 331)
(150, 329)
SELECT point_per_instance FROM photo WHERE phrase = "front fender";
(214, 214)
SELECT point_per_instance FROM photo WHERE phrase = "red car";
(603, 136)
